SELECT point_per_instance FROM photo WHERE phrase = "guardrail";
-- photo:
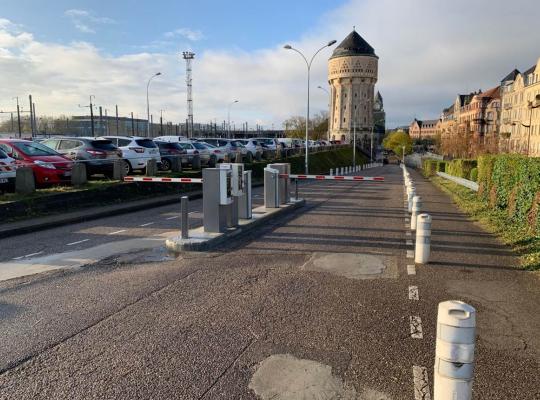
(460, 181)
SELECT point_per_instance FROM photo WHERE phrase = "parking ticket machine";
(217, 198)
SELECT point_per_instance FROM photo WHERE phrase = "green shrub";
(429, 167)
(474, 175)
(441, 166)
(461, 168)
(504, 178)
(485, 172)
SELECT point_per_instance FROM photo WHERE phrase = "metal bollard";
(411, 192)
(454, 351)
(423, 239)
(184, 207)
(416, 209)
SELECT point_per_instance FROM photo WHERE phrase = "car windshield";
(199, 146)
(2, 154)
(34, 149)
(103, 145)
(148, 143)
(186, 146)
(211, 146)
(237, 143)
(267, 141)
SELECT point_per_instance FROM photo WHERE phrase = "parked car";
(171, 139)
(168, 151)
(98, 154)
(193, 148)
(228, 146)
(252, 145)
(136, 151)
(269, 143)
(216, 154)
(49, 166)
(7, 172)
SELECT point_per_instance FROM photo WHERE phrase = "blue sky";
(63, 51)
(125, 25)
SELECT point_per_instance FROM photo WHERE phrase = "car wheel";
(165, 164)
(249, 158)
(212, 161)
(127, 167)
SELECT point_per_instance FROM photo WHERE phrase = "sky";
(62, 52)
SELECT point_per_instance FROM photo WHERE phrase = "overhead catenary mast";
(188, 56)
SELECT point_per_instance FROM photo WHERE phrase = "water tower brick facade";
(352, 75)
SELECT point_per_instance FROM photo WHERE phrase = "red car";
(48, 165)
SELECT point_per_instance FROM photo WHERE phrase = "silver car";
(194, 148)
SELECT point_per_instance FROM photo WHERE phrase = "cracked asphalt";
(140, 327)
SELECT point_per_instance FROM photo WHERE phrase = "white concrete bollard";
(454, 352)
(331, 172)
(423, 239)
(411, 192)
(416, 209)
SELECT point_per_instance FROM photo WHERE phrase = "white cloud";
(187, 33)
(85, 21)
(428, 54)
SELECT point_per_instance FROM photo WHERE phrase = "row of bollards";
(420, 222)
(456, 320)
(352, 169)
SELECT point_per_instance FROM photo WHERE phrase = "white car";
(269, 143)
(136, 151)
(171, 139)
(7, 170)
(193, 148)
(252, 145)
(215, 151)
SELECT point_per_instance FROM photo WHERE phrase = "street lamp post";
(229, 118)
(328, 119)
(148, 103)
(91, 106)
(308, 64)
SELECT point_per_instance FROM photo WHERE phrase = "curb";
(177, 245)
(76, 216)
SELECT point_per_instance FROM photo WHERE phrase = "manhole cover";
(353, 265)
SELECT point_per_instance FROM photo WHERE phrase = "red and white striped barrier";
(333, 177)
(168, 180)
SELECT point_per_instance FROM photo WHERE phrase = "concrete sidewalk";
(313, 306)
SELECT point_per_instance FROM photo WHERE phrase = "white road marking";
(176, 216)
(416, 327)
(409, 242)
(148, 224)
(413, 293)
(410, 253)
(421, 383)
(120, 231)
(80, 241)
(27, 255)
(411, 269)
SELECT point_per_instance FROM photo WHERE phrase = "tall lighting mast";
(188, 56)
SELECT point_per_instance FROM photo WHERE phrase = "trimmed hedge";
(512, 183)
(441, 166)
(319, 162)
(429, 167)
(474, 175)
(485, 172)
(461, 168)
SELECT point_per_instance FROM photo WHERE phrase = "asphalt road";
(142, 325)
